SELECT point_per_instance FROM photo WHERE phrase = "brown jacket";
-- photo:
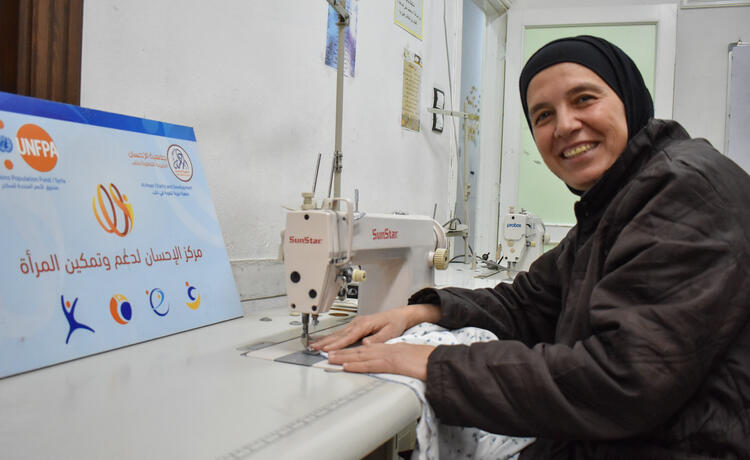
(631, 338)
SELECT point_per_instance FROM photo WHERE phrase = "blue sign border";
(76, 114)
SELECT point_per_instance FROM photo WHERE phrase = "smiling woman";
(526, 181)
(578, 123)
(583, 99)
(627, 340)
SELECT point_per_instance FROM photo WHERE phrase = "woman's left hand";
(396, 358)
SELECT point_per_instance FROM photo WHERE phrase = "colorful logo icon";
(36, 147)
(194, 296)
(156, 299)
(109, 210)
(179, 162)
(69, 311)
(120, 308)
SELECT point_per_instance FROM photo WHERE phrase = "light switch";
(438, 102)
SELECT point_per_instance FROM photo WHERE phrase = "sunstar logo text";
(386, 234)
(304, 240)
(513, 226)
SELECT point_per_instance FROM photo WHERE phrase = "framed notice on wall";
(412, 85)
(408, 14)
(108, 234)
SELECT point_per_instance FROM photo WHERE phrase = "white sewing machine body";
(523, 237)
(390, 256)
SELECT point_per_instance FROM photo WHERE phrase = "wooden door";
(40, 54)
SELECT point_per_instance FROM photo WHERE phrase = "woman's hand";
(395, 358)
(379, 327)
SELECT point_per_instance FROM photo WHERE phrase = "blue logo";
(513, 226)
(6, 144)
(156, 299)
(69, 311)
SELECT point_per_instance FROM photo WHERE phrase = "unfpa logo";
(111, 205)
(36, 147)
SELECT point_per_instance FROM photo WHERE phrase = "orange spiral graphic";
(108, 219)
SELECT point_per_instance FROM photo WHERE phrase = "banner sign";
(108, 234)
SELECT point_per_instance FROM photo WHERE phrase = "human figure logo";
(69, 311)
(179, 162)
(115, 204)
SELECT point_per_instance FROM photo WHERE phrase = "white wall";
(701, 62)
(249, 76)
(703, 35)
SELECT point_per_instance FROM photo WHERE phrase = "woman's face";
(578, 122)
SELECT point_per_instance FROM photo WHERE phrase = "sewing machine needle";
(305, 330)
(306, 335)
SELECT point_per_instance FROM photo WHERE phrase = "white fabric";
(436, 441)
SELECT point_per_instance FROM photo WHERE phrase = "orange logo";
(109, 213)
(37, 148)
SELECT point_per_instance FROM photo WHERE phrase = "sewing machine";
(390, 256)
(523, 237)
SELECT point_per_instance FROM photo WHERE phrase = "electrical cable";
(471, 253)
(448, 60)
(450, 82)
(454, 219)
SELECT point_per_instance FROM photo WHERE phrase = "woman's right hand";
(379, 327)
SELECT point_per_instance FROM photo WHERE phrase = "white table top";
(193, 395)
(462, 275)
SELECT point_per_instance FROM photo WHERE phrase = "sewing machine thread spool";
(308, 200)
(359, 275)
(440, 259)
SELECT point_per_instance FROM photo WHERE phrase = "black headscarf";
(606, 60)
